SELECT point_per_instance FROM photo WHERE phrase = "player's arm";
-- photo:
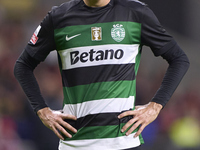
(145, 114)
(162, 44)
(54, 120)
(40, 45)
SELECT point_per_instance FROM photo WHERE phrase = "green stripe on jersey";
(81, 35)
(100, 90)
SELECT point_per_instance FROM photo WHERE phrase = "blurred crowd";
(176, 128)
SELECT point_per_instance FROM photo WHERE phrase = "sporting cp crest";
(118, 32)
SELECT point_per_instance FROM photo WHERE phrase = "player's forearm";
(24, 74)
(178, 66)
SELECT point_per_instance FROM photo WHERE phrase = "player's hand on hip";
(54, 120)
(142, 116)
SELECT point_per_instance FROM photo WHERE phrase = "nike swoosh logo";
(69, 38)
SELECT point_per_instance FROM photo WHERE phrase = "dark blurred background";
(176, 128)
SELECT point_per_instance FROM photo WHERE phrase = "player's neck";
(96, 3)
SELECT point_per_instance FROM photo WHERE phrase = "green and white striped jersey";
(99, 52)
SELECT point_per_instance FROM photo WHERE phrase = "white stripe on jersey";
(130, 52)
(99, 106)
(117, 143)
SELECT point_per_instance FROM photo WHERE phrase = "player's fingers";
(133, 128)
(140, 130)
(68, 126)
(62, 130)
(128, 124)
(126, 113)
(57, 133)
(59, 121)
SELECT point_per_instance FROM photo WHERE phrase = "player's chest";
(97, 34)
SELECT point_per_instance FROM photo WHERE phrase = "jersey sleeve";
(153, 34)
(42, 41)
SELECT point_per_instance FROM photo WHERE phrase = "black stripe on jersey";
(94, 74)
(103, 119)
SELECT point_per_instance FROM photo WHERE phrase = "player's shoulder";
(65, 7)
(135, 4)
(137, 7)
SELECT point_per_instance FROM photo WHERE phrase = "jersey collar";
(110, 4)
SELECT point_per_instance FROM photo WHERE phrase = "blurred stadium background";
(176, 128)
